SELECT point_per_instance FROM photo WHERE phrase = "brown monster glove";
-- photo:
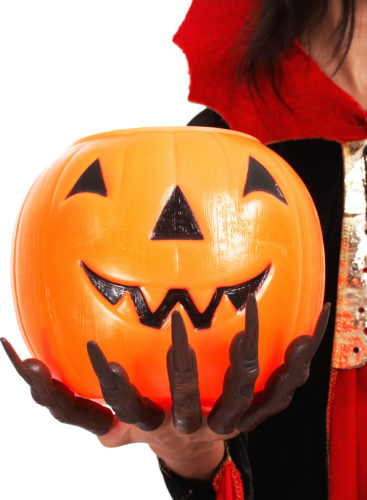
(237, 395)
(234, 409)
(61, 401)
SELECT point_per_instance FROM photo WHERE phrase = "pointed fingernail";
(180, 345)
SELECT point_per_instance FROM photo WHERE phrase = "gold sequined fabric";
(350, 342)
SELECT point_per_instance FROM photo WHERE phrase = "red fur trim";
(209, 36)
(228, 482)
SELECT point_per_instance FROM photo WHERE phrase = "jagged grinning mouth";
(237, 294)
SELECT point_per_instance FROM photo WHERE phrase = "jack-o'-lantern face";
(130, 225)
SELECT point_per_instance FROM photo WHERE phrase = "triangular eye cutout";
(177, 222)
(91, 181)
(259, 179)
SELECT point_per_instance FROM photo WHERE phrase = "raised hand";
(236, 409)
(183, 435)
(54, 395)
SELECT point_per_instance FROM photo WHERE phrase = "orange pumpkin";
(128, 225)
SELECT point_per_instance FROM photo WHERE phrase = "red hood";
(319, 108)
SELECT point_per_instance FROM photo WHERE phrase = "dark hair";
(273, 26)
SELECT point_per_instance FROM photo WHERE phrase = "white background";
(69, 69)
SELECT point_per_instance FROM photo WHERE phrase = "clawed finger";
(281, 385)
(183, 378)
(15, 359)
(181, 351)
(34, 372)
(239, 382)
(101, 366)
(60, 400)
(250, 346)
(123, 397)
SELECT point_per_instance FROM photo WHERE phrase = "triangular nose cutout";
(177, 222)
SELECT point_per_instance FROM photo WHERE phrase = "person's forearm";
(200, 465)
